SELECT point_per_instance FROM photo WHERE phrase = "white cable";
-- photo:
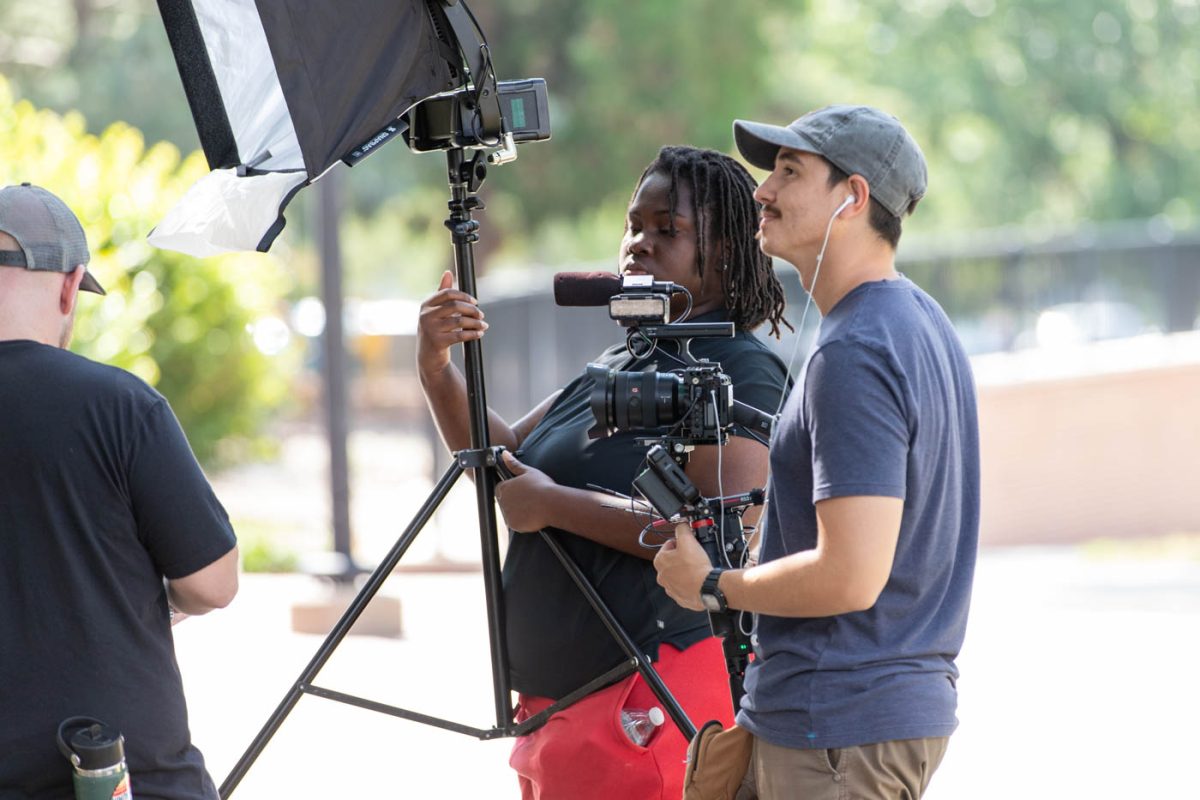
(813, 287)
(720, 493)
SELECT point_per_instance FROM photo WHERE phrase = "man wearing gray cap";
(871, 527)
(108, 529)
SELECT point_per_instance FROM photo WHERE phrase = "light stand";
(465, 175)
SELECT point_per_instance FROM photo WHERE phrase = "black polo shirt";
(556, 641)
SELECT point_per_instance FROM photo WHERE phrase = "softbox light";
(281, 90)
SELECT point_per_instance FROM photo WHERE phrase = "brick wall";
(1112, 452)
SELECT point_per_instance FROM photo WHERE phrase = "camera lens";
(639, 400)
(633, 400)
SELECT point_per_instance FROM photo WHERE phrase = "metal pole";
(465, 175)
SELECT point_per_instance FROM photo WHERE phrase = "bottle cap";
(98, 746)
(656, 716)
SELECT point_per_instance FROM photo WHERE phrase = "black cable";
(687, 311)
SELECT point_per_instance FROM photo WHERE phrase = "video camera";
(694, 404)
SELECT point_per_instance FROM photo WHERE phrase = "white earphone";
(850, 199)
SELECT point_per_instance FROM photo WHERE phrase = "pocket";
(619, 708)
(582, 752)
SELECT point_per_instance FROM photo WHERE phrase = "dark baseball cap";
(858, 140)
(48, 233)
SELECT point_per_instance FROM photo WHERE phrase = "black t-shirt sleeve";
(180, 521)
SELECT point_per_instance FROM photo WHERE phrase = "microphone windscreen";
(585, 288)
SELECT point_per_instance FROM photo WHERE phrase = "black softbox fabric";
(345, 81)
(280, 91)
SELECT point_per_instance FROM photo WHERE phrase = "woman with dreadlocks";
(691, 220)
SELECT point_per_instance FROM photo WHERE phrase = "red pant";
(582, 752)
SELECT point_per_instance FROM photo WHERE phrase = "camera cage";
(716, 522)
(711, 410)
(652, 399)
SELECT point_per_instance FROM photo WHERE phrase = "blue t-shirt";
(887, 409)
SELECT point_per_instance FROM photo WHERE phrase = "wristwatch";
(711, 596)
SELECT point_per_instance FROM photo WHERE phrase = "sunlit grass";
(259, 544)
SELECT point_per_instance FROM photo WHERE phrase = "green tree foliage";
(1030, 112)
(1033, 114)
(183, 325)
(626, 78)
(107, 59)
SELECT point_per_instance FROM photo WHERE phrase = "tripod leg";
(343, 626)
(660, 690)
(485, 493)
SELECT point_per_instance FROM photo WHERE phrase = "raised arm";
(449, 317)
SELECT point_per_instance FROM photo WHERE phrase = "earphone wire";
(808, 303)
(720, 493)
(796, 349)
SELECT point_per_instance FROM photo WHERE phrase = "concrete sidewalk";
(1078, 681)
(238, 664)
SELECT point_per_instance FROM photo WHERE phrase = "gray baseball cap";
(48, 233)
(858, 140)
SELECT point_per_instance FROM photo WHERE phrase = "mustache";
(765, 210)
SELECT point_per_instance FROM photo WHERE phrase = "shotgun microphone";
(585, 288)
(597, 288)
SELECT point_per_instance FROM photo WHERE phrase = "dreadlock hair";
(726, 213)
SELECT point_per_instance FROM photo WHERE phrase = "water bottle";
(97, 752)
(640, 724)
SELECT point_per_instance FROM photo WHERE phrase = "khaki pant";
(897, 770)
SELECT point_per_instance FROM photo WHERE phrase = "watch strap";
(710, 588)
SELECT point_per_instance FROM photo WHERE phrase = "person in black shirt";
(691, 220)
(108, 530)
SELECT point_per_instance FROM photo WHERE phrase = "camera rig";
(691, 406)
